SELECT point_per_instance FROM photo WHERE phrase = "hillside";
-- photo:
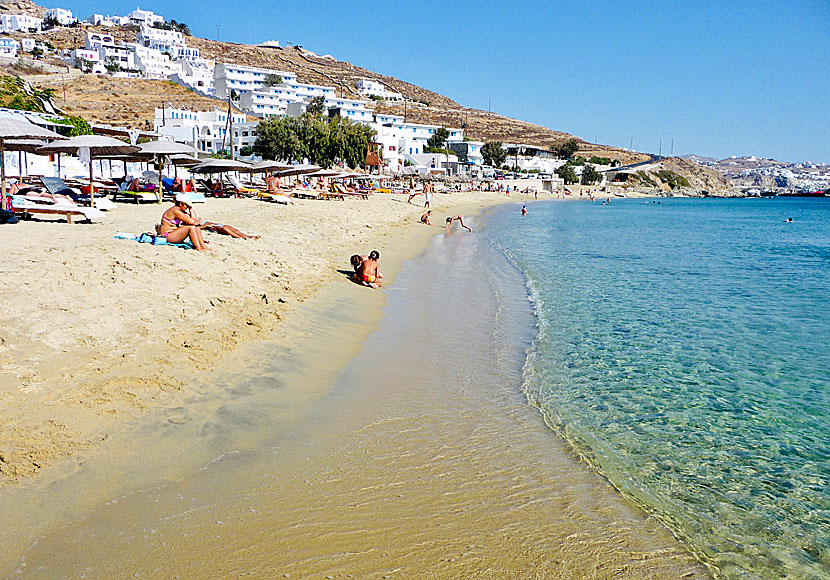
(131, 102)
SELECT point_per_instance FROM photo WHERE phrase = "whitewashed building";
(109, 52)
(160, 39)
(233, 77)
(353, 109)
(197, 75)
(60, 15)
(153, 63)
(87, 60)
(19, 23)
(144, 17)
(27, 44)
(101, 20)
(403, 141)
(204, 130)
(368, 88)
(9, 47)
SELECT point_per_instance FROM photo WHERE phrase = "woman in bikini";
(177, 225)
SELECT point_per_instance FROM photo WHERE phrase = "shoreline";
(92, 339)
(512, 498)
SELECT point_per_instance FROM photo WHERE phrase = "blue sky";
(717, 78)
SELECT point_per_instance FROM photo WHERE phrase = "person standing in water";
(524, 210)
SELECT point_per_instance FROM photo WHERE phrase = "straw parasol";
(268, 167)
(161, 148)
(219, 166)
(93, 147)
(14, 129)
(298, 169)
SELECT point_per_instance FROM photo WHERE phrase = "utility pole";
(661, 148)
(631, 146)
(672, 148)
(217, 32)
(489, 103)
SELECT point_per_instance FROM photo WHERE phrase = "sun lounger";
(57, 186)
(240, 189)
(136, 196)
(27, 207)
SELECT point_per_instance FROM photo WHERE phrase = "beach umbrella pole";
(2, 174)
(91, 186)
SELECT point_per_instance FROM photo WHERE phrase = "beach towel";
(147, 238)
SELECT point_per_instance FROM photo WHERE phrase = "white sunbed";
(24, 206)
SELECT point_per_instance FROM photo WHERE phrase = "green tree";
(493, 153)
(567, 173)
(323, 141)
(590, 175)
(438, 140)
(272, 80)
(567, 149)
(316, 106)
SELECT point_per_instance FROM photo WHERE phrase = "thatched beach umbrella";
(268, 166)
(14, 129)
(220, 166)
(89, 147)
(161, 148)
(299, 169)
(23, 146)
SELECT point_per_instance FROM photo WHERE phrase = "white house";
(160, 39)
(404, 141)
(8, 47)
(204, 130)
(19, 22)
(144, 17)
(82, 57)
(101, 20)
(196, 75)
(152, 62)
(368, 88)
(109, 52)
(60, 15)
(27, 44)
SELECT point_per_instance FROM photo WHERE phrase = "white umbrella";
(14, 129)
(298, 169)
(96, 146)
(219, 166)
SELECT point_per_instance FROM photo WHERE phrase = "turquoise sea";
(684, 348)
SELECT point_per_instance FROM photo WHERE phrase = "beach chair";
(239, 189)
(135, 196)
(57, 186)
(27, 207)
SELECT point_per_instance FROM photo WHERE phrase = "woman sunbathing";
(219, 228)
(177, 225)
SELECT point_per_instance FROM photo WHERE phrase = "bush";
(672, 179)
(600, 160)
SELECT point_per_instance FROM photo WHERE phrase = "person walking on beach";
(427, 194)
(412, 192)
(459, 219)
(368, 273)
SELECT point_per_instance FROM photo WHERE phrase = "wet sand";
(420, 459)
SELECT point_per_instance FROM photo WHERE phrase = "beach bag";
(8, 217)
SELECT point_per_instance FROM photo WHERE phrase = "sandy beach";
(95, 330)
(114, 359)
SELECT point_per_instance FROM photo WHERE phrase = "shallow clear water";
(685, 348)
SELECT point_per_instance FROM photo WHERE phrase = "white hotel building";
(204, 130)
(368, 88)
(402, 141)
(60, 15)
(239, 78)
